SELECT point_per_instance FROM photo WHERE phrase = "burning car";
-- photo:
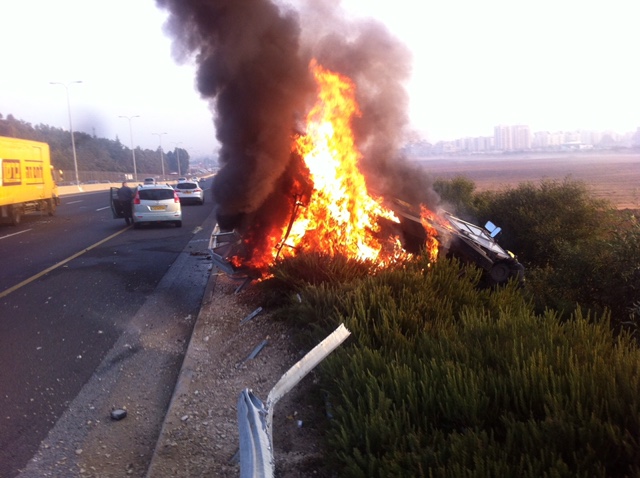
(461, 239)
(322, 203)
(443, 234)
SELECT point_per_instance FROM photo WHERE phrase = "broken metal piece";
(245, 282)
(257, 350)
(254, 352)
(222, 264)
(251, 316)
(223, 246)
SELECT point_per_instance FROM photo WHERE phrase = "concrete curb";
(186, 371)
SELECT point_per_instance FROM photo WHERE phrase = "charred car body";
(463, 240)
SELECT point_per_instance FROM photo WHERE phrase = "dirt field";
(612, 176)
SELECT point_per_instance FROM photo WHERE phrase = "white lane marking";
(74, 202)
(55, 266)
(103, 208)
(14, 234)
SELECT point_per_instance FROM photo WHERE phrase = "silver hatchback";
(156, 203)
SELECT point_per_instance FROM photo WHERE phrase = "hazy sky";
(554, 65)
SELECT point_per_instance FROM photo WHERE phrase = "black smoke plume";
(253, 66)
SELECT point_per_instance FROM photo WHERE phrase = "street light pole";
(133, 152)
(178, 157)
(159, 135)
(73, 141)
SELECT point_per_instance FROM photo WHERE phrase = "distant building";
(521, 137)
(502, 138)
(512, 138)
(515, 138)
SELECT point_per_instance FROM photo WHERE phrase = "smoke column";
(252, 61)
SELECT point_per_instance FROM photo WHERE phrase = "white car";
(190, 191)
(156, 203)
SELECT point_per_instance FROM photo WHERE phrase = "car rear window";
(186, 186)
(155, 194)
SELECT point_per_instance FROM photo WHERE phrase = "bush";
(314, 275)
(618, 272)
(457, 196)
(444, 379)
(538, 221)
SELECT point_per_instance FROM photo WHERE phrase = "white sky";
(551, 64)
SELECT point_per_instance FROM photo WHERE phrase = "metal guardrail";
(256, 451)
(255, 419)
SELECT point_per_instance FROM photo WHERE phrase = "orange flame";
(427, 218)
(338, 215)
(341, 217)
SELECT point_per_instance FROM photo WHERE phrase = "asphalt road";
(84, 299)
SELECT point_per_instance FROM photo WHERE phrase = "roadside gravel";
(200, 433)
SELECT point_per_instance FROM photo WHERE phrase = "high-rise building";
(521, 137)
(512, 138)
(502, 138)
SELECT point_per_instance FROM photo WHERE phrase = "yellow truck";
(26, 179)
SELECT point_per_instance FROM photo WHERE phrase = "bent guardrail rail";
(255, 419)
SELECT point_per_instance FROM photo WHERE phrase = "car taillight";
(136, 199)
(198, 190)
(176, 198)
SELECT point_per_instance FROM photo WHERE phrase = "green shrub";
(618, 271)
(457, 195)
(539, 220)
(578, 251)
(318, 277)
(295, 273)
(444, 379)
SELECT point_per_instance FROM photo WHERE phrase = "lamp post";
(178, 157)
(133, 151)
(159, 135)
(73, 141)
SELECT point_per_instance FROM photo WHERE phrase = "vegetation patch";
(442, 377)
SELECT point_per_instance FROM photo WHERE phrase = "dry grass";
(611, 176)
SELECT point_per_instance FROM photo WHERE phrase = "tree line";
(94, 153)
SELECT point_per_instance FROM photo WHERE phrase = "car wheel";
(178, 223)
(201, 201)
(16, 215)
(51, 207)
(499, 272)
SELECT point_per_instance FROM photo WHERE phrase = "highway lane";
(57, 327)
(80, 221)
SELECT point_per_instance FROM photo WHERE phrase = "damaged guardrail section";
(255, 419)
